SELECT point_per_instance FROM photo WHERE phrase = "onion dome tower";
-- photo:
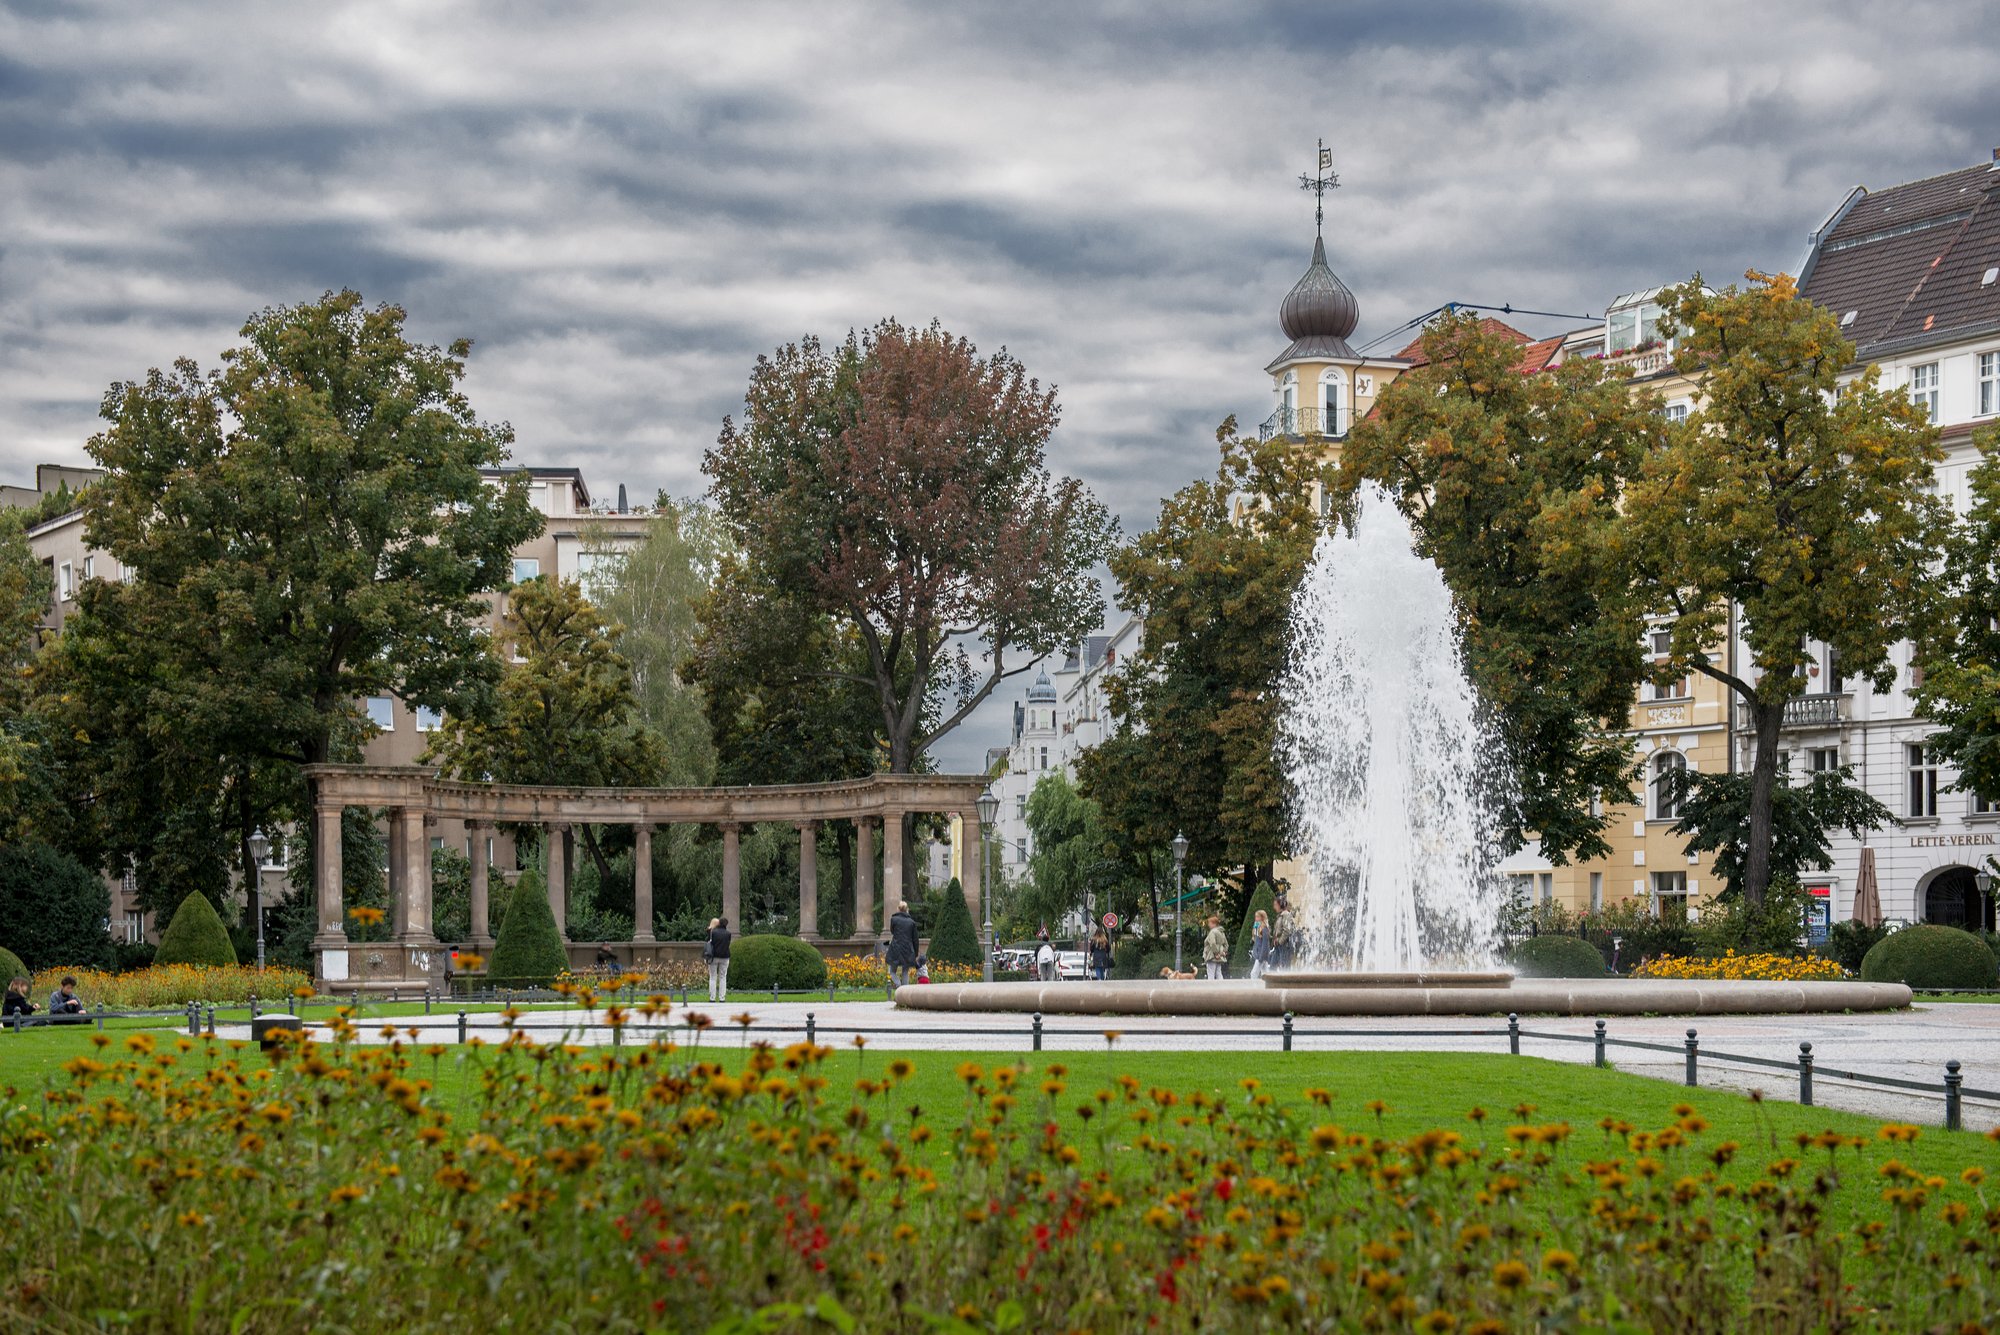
(1319, 312)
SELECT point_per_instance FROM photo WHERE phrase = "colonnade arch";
(416, 798)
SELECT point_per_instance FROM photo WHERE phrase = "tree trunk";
(1153, 892)
(597, 856)
(1766, 719)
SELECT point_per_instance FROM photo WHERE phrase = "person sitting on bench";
(17, 1002)
(65, 1007)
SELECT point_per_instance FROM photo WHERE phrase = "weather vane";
(1326, 180)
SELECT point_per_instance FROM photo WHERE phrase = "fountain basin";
(1422, 978)
(1521, 996)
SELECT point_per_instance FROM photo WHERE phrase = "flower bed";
(657, 1188)
(175, 985)
(1754, 968)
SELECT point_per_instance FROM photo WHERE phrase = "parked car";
(1072, 965)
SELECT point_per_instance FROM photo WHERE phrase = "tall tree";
(1798, 502)
(1078, 862)
(1214, 580)
(658, 586)
(304, 527)
(24, 599)
(1480, 457)
(565, 712)
(1960, 648)
(897, 484)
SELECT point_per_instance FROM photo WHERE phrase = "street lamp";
(989, 811)
(1180, 859)
(1982, 880)
(259, 848)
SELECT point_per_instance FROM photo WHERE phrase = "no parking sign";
(1110, 922)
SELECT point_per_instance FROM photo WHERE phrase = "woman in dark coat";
(902, 944)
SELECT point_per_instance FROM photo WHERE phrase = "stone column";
(892, 861)
(482, 928)
(327, 875)
(809, 880)
(553, 841)
(642, 883)
(972, 868)
(413, 900)
(732, 877)
(864, 879)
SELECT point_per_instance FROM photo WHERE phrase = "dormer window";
(1633, 327)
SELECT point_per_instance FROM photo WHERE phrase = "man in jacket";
(902, 944)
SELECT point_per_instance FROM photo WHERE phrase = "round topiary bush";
(1928, 955)
(1557, 957)
(11, 967)
(760, 963)
(195, 936)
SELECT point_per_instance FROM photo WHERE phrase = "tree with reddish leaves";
(897, 483)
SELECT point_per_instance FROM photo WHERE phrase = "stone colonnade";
(416, 799)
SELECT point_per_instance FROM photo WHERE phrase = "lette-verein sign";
(1952, 840)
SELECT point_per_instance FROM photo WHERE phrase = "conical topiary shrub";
(1239, 958)
(528, 951)
(195, 936)
(955, 940)
(11, 967)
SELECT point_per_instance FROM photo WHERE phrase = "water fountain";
(1395, 777)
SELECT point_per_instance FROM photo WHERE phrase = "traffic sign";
(1110, 922)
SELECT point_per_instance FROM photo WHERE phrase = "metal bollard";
(829, 991)
(211, 1020)
(1038, 1031)
(1513, 1033)
(461, 1026)
(427, 1003)
(1691, 1046)
(100, 1024)
(194, 1019)
(1288, 1031)
(774, 992)
(1952, 1080)
(255, 1009)
(1805, 1075)
(395, 996)
(812, 1027)
(1600, 1046)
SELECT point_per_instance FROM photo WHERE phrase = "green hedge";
(53, 909)
(1239, 958)
(528, 951)
(1127, 957)
(760, 963)
(956, 939)
(1557, 957)
(1928, 955)
(195, 936)
(11, 967)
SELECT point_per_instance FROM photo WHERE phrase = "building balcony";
(1298, 423)
(1808, 711)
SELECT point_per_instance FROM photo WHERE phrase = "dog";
(1168, 972)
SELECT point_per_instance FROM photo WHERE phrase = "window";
(1330, 392)
(132, 928)
(1985, 804)
(1548, 879)
(1924, 388)
(597, 573)
(1596, 891)
(1823, 759)
(1670, 895)
(90, 567)
(1020, 850)
(1667, 768)
(1045, 758)
(1677, 412)
(428, 720)
(1021, 808)
(1923, 781)
(382, 712)
(1680, 688)
(526, 568)
(65, 582)
(1989, 384)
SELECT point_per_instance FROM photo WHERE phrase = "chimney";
(621, 498)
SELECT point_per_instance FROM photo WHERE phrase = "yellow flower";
(1510, 1275)
(344, 1194)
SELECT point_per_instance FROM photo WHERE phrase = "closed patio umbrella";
(1867, 899)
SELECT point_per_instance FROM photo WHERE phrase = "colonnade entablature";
(416, 797)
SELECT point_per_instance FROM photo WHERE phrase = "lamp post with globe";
(989, 811)
(260, 847)
(1180, 859)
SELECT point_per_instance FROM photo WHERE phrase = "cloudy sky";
(624, 204)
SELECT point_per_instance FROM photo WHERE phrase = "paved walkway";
(1909, 1045)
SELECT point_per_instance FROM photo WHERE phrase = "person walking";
(1045, 962)
(1215, 949)
(1260, 944)
(1284, 935)
(1100, 955)
(902, 944)
(716, 952)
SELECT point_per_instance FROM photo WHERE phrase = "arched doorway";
(1952, 899)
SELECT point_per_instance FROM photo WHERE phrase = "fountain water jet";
(1390, 762)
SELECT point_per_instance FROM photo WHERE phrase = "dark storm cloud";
(624, 205)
